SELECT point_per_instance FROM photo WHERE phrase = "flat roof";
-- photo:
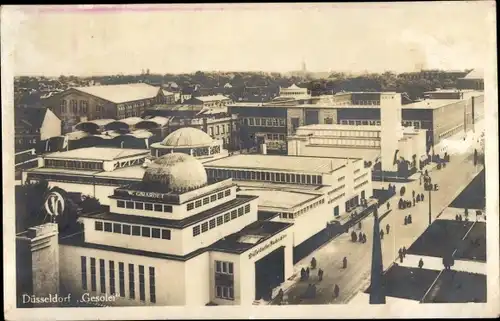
(272, 185)
(431, 103)
(301, 164)
(61, 171)
(97, 153)
(280, 199)
(125, 172)
(256, 233)
(344, 152)
(340, 127)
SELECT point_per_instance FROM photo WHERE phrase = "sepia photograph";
(245, 161)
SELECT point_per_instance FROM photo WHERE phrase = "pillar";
(391, 129)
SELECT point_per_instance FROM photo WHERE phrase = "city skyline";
(174, 39)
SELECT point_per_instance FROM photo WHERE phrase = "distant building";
(209, 101)
(99, 102)
(473, 80)
(430, 74)
(33, 125)
(293, 91)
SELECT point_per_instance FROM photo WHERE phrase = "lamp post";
(429, 189)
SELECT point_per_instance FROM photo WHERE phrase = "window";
(148, 206)
(102, 270)
(152, 292)
(211, 131)
(107, 227)
(131, 282)
(155, 233)
(234, 215)
(64, 105)
(120, 203)
(142, 285)
(139, 205)
(146, 231)
(74, 105)
(196, 230)
(84, 272)
(158, 207)
(136, 230)
(93, 275)
(190, 206)
(206, 200)
(227, 217)
(126, 229)
(112, 287)
(129, 204)
(247, 208)
(98, 226)
(204, 227)
(117, 228)
(121, 278)
(227, 192)
(212, 223)
(219, 220)
(165, 234)
(217, 130)
(197, 203)
(220, 195)
(240, 211)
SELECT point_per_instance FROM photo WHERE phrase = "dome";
(187, 137)
(177, 172)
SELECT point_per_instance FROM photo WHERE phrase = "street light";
(429, 189)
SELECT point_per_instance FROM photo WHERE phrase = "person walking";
(400, 254)
(381, 234)
(421, 263)
(422, 197)
(336, 291)
(409, 219)
(360, 238)
(344, 263)
(364, 238)
(404, 251)
(320, 274)
(387, 228)
(406, 220)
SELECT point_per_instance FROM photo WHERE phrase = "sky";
(84, 41)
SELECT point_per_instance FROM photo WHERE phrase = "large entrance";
(269, 273)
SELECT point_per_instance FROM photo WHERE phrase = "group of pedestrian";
(402, 253)
(459, 218)
(361, 237)
(448, 262)
(310, 291)
(304, 274)
(408, 219)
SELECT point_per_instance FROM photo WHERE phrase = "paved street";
(356, 277)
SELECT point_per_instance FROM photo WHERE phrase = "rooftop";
(279, 199)
(431, 103)
(212, 98)
(97, 153)
(121, 93)
(339, 127)
(475, 74)
(346, 152)
(250, 236)
(280, 163)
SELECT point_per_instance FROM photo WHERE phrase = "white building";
(293, 91)
(308, 191)
(177, 238)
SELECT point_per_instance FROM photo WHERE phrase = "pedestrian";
(406, 220)
(413, 193)
(387, 228)
(313, 291)
(354, 236)
(364, 238)
(344, 262)
(418, 198)
(422, 197)
(308, 273)
(336, 291)
(409, 219)
(320, 274)
(421, 263)
(400, 254)
(414, 201)
(302, 274)
(456, 217)
(381, 234)
(360, 238)
(313, 263)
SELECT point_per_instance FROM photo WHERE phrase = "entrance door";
(336, 211)
(362, 194)
(269, 273)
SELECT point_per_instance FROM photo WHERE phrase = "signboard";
(54, 204)
(146, 194)
(265, 247)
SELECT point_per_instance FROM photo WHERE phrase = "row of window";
(360, 177)
(208, 199)
(264, 122)
(135, 230)
(83, 108)
(336, 189)
(340, 179)
(336, 198)
(362, 184)
(80, 179)
(308, 208)
(144, 206)
(224, 280)
(345, 142)
(219, 129)
(360, 122)
(111, 268)
(357, 170)
(224, 292)
(417, 124)
(266, 176)
(348, 133)
(273, 136)
(55, 163)
(221, 219)
(224, 267)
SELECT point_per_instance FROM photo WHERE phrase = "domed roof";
(186, 137)
(177, 172)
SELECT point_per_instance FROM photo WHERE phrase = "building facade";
(34, 125)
